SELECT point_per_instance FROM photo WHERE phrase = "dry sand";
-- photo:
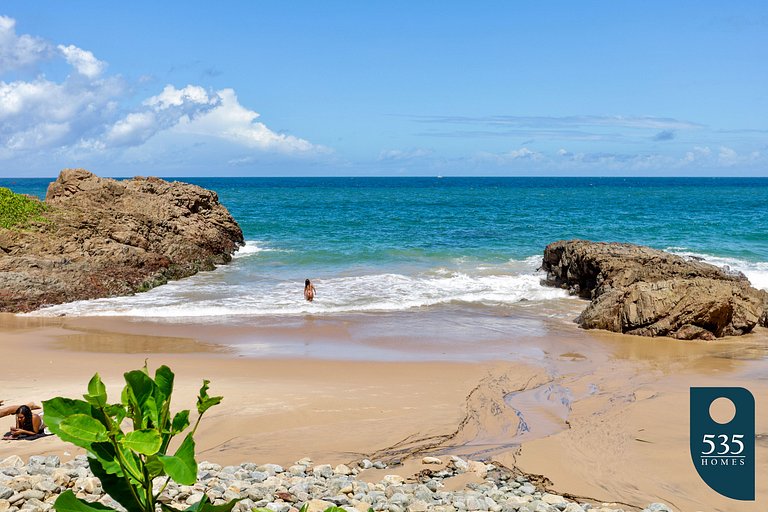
(603, 416)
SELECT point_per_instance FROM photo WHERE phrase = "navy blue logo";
(723, 440)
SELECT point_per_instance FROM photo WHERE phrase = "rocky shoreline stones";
(35, 486)
(103, 237)
(643, 291)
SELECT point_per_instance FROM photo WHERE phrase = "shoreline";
(280, 409)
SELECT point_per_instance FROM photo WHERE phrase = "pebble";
(36, 484)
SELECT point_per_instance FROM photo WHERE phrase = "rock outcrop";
(644, 291)
(103, 237)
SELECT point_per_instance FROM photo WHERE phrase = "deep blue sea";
(399, 244)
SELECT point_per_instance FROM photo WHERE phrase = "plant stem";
(148, 488)
(167, 480)
(123, 466)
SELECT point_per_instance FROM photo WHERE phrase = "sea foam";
(756, 271)
(215, 294)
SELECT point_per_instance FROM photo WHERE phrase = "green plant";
(127, 463)
(18, 209)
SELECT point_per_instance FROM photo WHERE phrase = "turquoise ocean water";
(413, 244)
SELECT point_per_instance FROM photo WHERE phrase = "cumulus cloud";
(158, 113)
(231, 121)
(86, 113)
(19, 51)
(82, 60)
(172, 97)
(41, 113)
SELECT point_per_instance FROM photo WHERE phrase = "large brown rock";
(104, 237)
(644, 291)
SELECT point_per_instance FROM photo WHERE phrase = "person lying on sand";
(28, 424)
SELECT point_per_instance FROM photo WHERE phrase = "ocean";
(468, 245)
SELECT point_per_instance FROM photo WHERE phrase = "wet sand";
(600, 415)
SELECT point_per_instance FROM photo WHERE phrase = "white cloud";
(173, 97)
(727, 156)
(84, 116)
(516, 155)
(231, 121)
(82, 60)
(133, 129)
(19, 51)
(697, 154)
(398, 155)
(160, 112)
(39, 136)
(39, 113)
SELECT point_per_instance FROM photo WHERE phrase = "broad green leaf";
(155, 466)
(164, 387)
(140, 385)
(152, 411)
(146, 441)
(105, 455)
(182, 466)
(138, 389)
(119, 488)
(97, 392)
(180, 421)
(84, 429)
(118, 413)
(164, 380)
(57, 409)
(68, 502)
(205, 505)
(205, 402)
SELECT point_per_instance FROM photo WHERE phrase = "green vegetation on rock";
(16, 209)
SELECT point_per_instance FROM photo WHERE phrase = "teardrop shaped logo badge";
(723, 439)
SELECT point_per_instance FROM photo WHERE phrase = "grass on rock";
(16, 209)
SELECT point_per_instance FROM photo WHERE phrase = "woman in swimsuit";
(27, 424)
(309, 290)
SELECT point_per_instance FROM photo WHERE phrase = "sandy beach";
(602, 416)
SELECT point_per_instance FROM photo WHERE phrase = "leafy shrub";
(17, 209)
(127, 463)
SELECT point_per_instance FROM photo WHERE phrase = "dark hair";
(306, 283)
(27, 424)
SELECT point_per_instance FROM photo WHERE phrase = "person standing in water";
(309, 290)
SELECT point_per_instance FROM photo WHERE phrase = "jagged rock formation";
(644, 291)
(104, 237)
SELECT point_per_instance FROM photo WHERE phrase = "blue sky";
(384, 88)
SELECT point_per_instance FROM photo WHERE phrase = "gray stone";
(33, 494)
(657, 507)
(272, 469)
(14, 461)
(258, 476)
(527, 488)
(323, 471)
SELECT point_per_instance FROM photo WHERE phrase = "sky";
(384, 88)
